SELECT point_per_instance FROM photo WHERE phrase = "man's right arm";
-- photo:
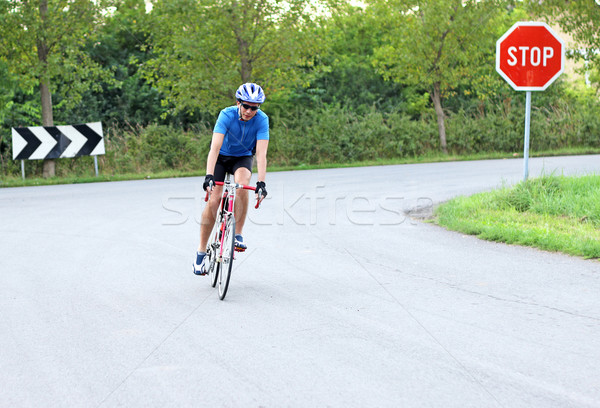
(215, 147)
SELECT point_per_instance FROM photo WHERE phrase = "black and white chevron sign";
(53, 142)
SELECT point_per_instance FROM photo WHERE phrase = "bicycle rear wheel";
(226, 264)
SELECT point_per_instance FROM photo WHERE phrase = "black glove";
(261, 188)
(209, 182)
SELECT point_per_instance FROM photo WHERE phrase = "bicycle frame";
(220, 249)
(228, 197)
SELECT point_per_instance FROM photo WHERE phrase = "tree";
(581, 19)
(204, 49)
(42, 41)
(343, 70)
(120, 47)
(434, 44)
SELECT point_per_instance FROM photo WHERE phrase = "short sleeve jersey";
(240, 137)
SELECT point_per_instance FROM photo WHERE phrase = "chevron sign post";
(54, 142)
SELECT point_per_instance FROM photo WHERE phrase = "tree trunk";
(244, 51)
(239, 23)
(437, 104)
(49, 169)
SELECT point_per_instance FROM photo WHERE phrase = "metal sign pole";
(23, 169)
(526, 144)
(96, 165)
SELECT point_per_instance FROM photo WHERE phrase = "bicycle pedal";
(240, 249)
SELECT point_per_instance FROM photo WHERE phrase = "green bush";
(556, 123)
(155, 148)
(337, 133)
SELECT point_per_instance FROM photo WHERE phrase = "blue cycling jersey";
(240, 137)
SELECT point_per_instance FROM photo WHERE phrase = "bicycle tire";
(217, 240)
(224, 268)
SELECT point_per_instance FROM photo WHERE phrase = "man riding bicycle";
(241, 132)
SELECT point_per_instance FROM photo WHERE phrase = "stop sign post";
(529, 56)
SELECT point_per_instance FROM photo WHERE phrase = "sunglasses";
(246, 106)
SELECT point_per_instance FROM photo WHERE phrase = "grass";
(554, 213)
(36, 181)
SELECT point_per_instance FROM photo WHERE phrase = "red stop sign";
(530, 56)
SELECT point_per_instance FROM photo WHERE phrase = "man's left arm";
(261, 158)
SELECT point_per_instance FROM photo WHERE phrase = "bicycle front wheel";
(228, 253)
(212, 253)
(213, 266)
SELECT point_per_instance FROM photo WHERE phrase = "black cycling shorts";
(229, 164)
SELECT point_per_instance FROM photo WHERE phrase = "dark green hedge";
(335, 133)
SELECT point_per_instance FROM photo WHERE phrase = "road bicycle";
(220, 250)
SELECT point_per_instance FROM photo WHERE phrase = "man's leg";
(241, 176)
(208, 217)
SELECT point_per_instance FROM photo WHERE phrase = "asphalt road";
(342, 300)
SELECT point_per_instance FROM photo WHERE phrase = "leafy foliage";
(203, 50)
(343, 83)
(434, 44)
(120, 47)
(581, 19)
(50, 49)
(343, 71)
(434, 41)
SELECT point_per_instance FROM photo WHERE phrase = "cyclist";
(241, 132)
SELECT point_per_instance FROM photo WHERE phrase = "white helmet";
(250, 92)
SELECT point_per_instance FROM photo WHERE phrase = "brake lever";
(208, 191)
(261, 197)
